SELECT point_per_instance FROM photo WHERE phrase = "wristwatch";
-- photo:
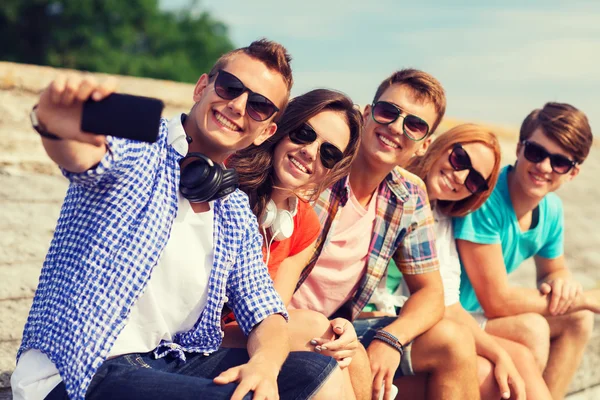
(39, 127)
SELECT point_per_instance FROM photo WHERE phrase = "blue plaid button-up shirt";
(114, 224)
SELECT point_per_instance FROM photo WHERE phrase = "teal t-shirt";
(496, 222)
(394, 279)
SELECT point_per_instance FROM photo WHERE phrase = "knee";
(454, 343)
(533, 329)
(308, 324)
(581, 324)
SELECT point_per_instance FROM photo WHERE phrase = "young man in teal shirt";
(523, 219)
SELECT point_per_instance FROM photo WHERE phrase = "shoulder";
(411, 187)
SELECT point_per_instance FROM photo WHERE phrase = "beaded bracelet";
(390, 339)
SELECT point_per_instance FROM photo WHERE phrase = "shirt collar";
(176, 135)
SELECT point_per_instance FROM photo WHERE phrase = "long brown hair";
(463, 134)
(255, 163)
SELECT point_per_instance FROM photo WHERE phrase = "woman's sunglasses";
(229, 87)
(330, 154)
(535, 153)
(385, 113)
(460, 160)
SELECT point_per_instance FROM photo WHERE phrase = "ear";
(366, 113)
(573, 173)
(519, 146)
(424, 146)
(266, 133)
(200, 86)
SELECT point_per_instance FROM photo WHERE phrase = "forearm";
(269, 341)
(485, 345)
(422, 310)
(74, 156)
(515, 300)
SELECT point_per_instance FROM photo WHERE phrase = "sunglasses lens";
(385, 113)
(415, 127)
(475, 182)
(560, 164)
(534, 153)
(459, 159)
(259, 107)
(330, 155)
(303, 135)
(228, 87)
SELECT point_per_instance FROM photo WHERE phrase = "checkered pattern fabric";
(113, 227)
(403, 229)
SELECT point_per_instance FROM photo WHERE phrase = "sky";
(496, 60)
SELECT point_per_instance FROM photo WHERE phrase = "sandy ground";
(32, 190)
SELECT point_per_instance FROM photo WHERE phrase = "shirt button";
(172, 346)
(226, 299)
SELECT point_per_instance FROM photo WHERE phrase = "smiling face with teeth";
(385, 146)
(537, 180)
(297, 165)
(445, 183)
(220, 127)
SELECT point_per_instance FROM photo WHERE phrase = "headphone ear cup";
(200, 179)
(269, 214)
(229, 182)
(283, 226)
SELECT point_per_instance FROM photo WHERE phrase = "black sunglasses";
(535, 153)
(460, 160)
(330, 154)
(229, 87)
(415, 128)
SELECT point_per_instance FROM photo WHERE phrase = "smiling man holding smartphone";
(152, 241)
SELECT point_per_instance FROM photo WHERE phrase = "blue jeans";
(366, 329)
(141, 376)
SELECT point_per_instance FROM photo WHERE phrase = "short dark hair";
(564, 124)
(423, 85)
(272, 54)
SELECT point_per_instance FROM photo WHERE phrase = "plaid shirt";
(113, 227)
(403, 230)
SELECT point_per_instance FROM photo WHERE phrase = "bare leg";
(529, 329)
(446, 354)
(569, 335)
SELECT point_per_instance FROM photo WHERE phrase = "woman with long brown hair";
(316, 140)
(315, 143)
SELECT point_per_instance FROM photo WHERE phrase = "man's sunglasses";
(385, 113)
(229, 87)
(460, 160)
(535, 153)
(330, 154)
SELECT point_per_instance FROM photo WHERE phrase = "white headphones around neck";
(280, 223)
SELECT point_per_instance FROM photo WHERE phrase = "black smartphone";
(123, 115)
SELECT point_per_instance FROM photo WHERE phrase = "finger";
(570, 292)
(106, 88)
(344, 362)
(388, 387)
(243, 389)
(377, 384)
(71, 89)
(503, 386)
(556, 295)
(342, 343)
(319, 341)
(57, 87)
(518, 389)
(87, 86)
(339, 355)
(231, 375)
(339, 325)
(545, 288)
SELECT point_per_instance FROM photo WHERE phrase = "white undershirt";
(172, 302)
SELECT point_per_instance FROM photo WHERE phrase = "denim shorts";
(141, 376)
(366, 328)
